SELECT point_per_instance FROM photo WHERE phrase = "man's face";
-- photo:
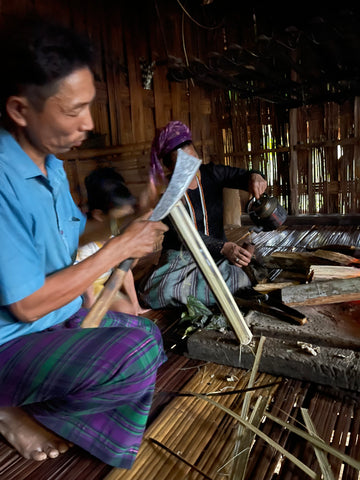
(65, 118)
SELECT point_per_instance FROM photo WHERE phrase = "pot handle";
(253, 201)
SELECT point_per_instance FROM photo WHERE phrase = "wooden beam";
(318, 293)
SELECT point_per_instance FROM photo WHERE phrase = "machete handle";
(103, 302)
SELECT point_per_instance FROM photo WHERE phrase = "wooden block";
(333, 366)
(326, 292)
(328, 272)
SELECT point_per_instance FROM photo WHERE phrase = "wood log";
(294, 261)
(318, 293)
(328, 272)
(336, 257)
(301, 261)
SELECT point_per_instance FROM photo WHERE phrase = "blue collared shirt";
(40, 227)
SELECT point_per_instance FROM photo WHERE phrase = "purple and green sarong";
(93, 387)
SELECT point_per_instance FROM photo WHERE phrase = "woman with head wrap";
(177, 276)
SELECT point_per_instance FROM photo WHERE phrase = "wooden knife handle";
(103, 302)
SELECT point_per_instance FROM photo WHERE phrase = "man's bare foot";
(28, 437)
(141, 310)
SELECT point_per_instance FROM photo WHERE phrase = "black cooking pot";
(266, 212)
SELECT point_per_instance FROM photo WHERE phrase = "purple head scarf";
(166, 140)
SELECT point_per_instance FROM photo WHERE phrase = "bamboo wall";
(310, 156)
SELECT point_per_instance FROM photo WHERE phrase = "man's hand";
(237, 255)
(142, 236)
(257, 185)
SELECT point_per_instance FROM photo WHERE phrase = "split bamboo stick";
(204, 260)
(260, 434)
(318, 443)
(239, 464)
(320, 455)
(289, 394)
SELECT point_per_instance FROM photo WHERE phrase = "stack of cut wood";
(332, 277)
(318, 265)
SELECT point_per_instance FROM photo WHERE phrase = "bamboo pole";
(204, 260)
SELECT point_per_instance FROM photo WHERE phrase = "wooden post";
(293, 167)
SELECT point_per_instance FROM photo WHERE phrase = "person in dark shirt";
(177, 276)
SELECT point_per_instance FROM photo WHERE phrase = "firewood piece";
(301, 261)
(350, 250)
(326, 292)
(329, 272)
(336, 257)
(295, 261)
(270, 287)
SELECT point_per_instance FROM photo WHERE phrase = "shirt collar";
(14, 156)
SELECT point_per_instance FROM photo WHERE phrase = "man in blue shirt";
(59, 382)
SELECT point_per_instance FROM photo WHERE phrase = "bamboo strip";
(237, 470)
(211, 439)
(225, 436)
(323, 416)
(320, 455)
(328, 424)
(190, 444)
(222, 443)
(181, 435)
(264, 437)
(265, 459)
(318, 443)
(240, 464)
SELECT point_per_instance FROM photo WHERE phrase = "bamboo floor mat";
(199, 432)
(205, 436)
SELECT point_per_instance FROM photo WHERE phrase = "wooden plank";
(318, 293)
(328, 272)
(134, 51)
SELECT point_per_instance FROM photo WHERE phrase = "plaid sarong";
(93, 387)
(177, 276)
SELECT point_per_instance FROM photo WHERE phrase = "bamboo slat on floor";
(199, 432)
(77, 464)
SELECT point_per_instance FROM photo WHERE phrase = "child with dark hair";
(109, 202)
